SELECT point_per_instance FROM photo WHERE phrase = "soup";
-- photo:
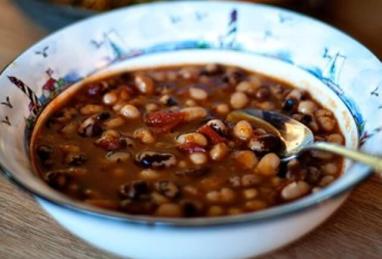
(156, 142)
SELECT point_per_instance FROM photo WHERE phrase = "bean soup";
(156, 142)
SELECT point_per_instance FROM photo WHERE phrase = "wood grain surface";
(355, 231)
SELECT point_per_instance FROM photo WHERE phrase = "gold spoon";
(297, 137)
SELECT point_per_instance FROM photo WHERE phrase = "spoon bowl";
(297, 137)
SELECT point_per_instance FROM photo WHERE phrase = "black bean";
(191, 208)
(266, 143)
(103, 116)
(76, 159)
(283, 169)
(312, 175)
(58, 179)
(167, 188)
(233, 77)
(212, 69)
(137, 207)
(290, 105)
(155, 159)
(95, 90)
(90, 127)
(170, 101)
(306, 119)
(136, 190)
(93, 130)
(303, 118)
(44, 152)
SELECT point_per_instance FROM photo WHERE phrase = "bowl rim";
(273, 213)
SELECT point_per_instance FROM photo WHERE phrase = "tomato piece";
(211, 134)
(164, 121)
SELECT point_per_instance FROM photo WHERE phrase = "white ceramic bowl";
(339, 72)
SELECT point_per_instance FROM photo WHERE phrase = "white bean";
(198, 93)
(130, 112)
(110, 98)
(222, 108)
(295, 190)
(239, 100)
(306, 107)
(194, 113)
(198, 158)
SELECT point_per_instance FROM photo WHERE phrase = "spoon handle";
(370, 160)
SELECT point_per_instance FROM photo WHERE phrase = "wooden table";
(355, 231)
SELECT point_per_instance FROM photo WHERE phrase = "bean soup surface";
(156, 142)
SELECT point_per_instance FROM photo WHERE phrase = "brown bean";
(90, 109)
(245, 159)
(114, 123)
(243, 130)
(268, 165)
(219, 151)
(214, 211)
(144, 135)
(335, 138)
(169, 210)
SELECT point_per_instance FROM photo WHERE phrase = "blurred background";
(361, 19)
(23, 22)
